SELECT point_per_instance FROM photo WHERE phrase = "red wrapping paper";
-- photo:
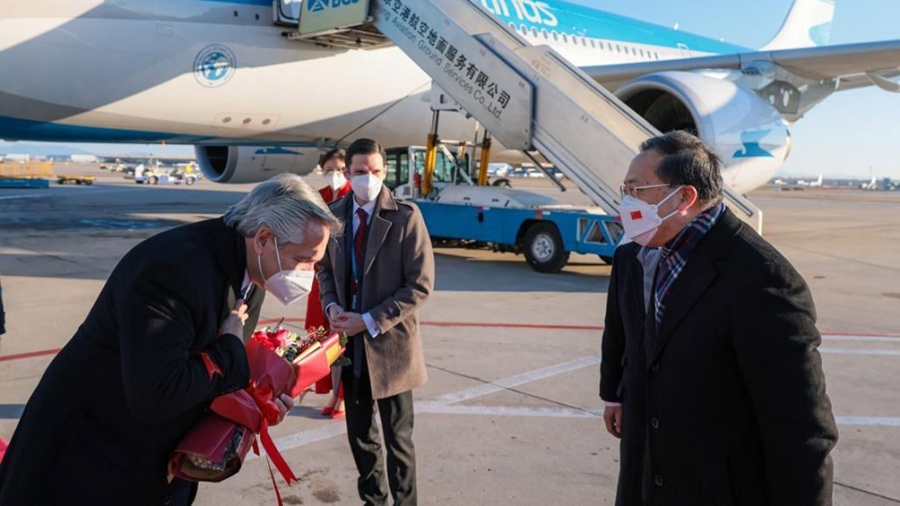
(225, 435)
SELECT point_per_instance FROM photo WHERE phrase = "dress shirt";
(369, 208)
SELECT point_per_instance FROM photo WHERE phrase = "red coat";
(315, 316)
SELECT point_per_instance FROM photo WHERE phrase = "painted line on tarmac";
(440, 408)
(336, 428)
(54, 194)
(862, 338)
(867, 420)
(853, 351)
(519, 379)
(306, 437)
(541, 326)
(33, 196)
(32, 354)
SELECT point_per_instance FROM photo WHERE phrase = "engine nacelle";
(746, 132)
(250, 164)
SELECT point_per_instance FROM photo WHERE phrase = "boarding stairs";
(528, 97)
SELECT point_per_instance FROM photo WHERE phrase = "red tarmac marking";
(470, 324)
(30, 354)
(269, 321)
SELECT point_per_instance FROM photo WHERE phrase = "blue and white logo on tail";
(751, 139)
(808, 24)
(214, 65)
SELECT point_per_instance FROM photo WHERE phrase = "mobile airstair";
(528, 97)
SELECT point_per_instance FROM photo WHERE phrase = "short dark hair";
(365, 147)
(338, 153)
(688, 161)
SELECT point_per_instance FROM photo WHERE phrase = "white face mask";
(287, 286)
(366, 187)
(336, 179)
(641, 220)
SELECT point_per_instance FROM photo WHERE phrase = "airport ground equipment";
(25, 174)
(528, 97)
(503, 219)
(79, 180)
(151, 177)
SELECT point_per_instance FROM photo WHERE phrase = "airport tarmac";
(510, 414)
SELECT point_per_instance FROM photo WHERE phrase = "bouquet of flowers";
(280, 362)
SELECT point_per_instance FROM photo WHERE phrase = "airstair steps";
(528, 97)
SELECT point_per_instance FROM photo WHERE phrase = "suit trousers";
(365, 443)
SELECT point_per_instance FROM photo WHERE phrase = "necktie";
(359, 252)
(359, 240)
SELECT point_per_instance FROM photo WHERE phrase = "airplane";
(221, 75)
(811, 184)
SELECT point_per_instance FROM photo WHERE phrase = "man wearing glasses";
(710, 370)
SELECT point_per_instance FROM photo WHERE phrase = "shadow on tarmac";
(509, 274)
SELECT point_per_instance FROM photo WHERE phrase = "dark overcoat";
(109, 410)
(728, 397)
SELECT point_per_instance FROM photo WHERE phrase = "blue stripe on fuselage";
(261, 3)
(28, 130)
(23, 129)
(573, 19)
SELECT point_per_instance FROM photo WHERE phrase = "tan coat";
(398, 277)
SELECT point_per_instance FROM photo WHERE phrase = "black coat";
(731, 399)
(104, 419)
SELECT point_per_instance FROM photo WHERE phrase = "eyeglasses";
(632, 191)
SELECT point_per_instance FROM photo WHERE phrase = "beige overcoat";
(398, 277)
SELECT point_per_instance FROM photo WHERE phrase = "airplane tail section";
(808, 24)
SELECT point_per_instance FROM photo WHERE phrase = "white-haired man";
(110, 408)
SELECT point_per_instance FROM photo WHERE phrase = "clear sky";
(850, 133)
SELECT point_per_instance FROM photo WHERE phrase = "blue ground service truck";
(456, 210)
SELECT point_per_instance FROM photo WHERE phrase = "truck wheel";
(189, 181)
(502, 183)
(543, 247)
(153, 180)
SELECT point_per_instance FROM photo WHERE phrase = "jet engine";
(744, 130)
(251, 164)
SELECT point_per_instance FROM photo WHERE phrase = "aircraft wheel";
(543, 248)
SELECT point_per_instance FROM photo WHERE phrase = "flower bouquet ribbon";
(280, 362)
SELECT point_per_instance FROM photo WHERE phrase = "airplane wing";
(855, 65)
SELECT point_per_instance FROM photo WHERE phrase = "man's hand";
(234, 323)
(612, 415)
(348, 323)
(334, 312)
(285, 404)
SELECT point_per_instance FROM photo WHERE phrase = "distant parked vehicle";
(526, 172)
(150, 176)
(86, 180)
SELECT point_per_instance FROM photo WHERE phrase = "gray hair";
(688, 161)
(284, 204)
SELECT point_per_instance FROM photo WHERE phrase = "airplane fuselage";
(213, 72)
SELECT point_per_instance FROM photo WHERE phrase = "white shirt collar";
(369, 207)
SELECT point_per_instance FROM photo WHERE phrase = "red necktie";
(359, 247)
